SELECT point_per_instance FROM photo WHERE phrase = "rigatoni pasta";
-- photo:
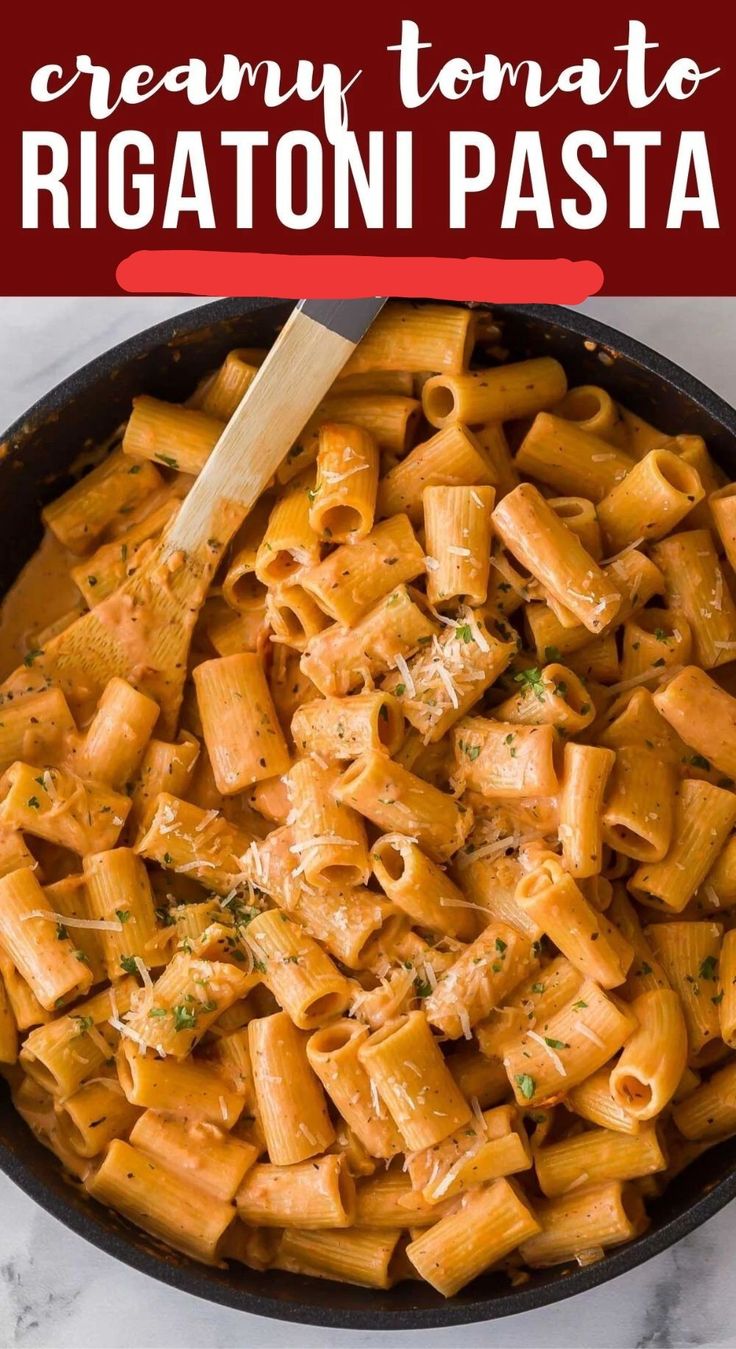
(409, 952)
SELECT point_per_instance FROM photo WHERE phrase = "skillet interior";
(35, 456)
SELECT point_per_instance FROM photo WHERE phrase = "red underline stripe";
(504, 280)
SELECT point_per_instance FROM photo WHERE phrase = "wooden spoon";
(142, 632)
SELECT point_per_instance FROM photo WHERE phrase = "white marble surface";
(57, 1292)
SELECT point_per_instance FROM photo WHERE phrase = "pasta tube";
(342, 659)
(520, 389)
(291, 1103)
(568, 459)
(333, 1055)
(496, 1145)
(486, 1226)
(599, 1155)
(442, 681)
(39, 947)
(415, 337)
(289, 542)
(571, 1045)
(118, 888)
(651, 500)
(584, 778)
(457, 526)
(79, 517)
(302, 978)
(587, 1220)
(593, 1100)
(480, 979)
(360, 1256)
(57, 806)
(343, 505)
(201, 1153)
(329, 837)
(356, 576)
(594, 410)
(190, 1089)
(195, 842)
(163, 1203)
(696, 585)
(307, 1195)
(94, 1115)
(587, 938)
(504, 759)
(556, 557)
(76, 1045)
(451, 458)
(394, 799)
(689, 954)
(184, 1001)
(693, 850)
(703, 715)
(553, 695)
(164, 767)
(709, 1112)
(345, 728)
(420, 888)
(178, 437)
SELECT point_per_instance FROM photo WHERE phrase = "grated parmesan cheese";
(557, 1061)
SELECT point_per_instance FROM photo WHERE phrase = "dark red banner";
(592, 141)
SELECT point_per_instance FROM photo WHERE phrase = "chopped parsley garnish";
(400, 690)
(578, 1006)
(128, 964)
(554, 1044)
(34, 803)
(708, 968)
(122, 915)
(471, 751)
(552, 653)
(423, 988)
(464, 632)
(32, 655)
(61, 932)
(500, 945)
(526, 1084)
(167, 459)
(84, 1023)
(537, 988)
